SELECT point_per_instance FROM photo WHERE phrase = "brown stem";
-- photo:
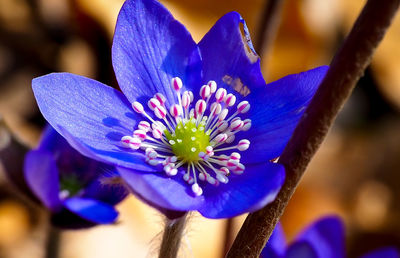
(269, 23)
(346, 68)
(172, 237)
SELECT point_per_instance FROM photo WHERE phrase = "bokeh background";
(355, 174)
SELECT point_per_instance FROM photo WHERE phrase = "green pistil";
(188, 140)
(70, 183)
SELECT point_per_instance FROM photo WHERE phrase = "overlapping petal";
(229, 59)
(150, 48)
(275, 111)
(161, 190)
(91, 116)
(248, 192)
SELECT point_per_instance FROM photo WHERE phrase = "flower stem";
(53, 242)
(268, 26)
(172, 237)
(346, 68)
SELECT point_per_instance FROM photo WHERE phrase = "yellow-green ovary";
(188, 140)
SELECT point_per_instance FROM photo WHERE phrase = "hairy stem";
(172, 237)
(346, 68)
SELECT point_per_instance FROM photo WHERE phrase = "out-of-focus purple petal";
(91, 116)
(150, 47)
(92, 210)
(248, 192)
(107, 188)
(275, 111)
(326, 237)
(388, 252)
(41, 175)
(302, 249)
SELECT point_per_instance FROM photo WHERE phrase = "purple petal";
(276, 245)
(302, 249)
(150, 48)
(326, 236)
(226, 59)
(171, 193)
(91, 116)
(41, 175)
(387, 252)
(91, 210)
(106, 188)
(255, 188)
(275, 111)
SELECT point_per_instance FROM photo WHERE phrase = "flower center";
(190, 138)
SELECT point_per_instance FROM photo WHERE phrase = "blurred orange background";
(355, 173)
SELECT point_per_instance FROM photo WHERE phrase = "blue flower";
(324, 238)
(183, 133)
(78, 191)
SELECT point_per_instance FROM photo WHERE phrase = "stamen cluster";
(191, 136)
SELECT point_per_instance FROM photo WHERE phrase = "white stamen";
(213, 86)
(176, 83)
(137, 107)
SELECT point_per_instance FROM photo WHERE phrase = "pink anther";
(200, 106)
(243, 145)
(243, 107)
(220, 95)
(176, 110)
(220, 137)
(160, 112)
(134, 143)
(140, 134)
(161, 98)
(222, 178)
(231, 163)
(157, 133)
(205, 91)
(137, 107)
(210, 151)
(125, 140)
(235, 156)
(239, 169)
(216, 108)
(231, 138)
(144, 125)
(153, 103)
(246, 124)
(236, 125)
(230, 100)
(213, 86)
(223, 114)
(197, 189)
(185, 99)
(224, 171)
(222, 125)
(176, 83)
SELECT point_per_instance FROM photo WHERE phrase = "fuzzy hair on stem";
(346, 68)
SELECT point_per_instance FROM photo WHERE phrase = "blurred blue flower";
(78, 191)
(325, 238)
(183, 133)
